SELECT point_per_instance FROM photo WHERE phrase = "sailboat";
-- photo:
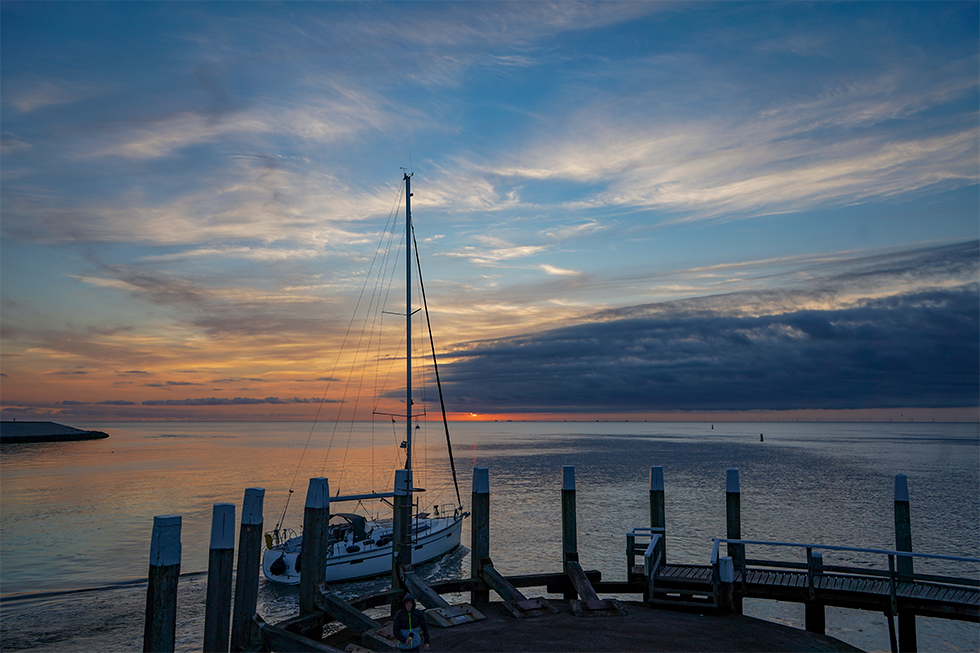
(358, 547)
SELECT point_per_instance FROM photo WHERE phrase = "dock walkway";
(642, 629)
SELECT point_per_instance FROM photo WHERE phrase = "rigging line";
(371, 310)
(323, 397)
(367, 278)
(435, 368)
(394, 358)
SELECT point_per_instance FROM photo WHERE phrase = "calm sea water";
(79, 514)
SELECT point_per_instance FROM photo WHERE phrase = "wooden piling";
(907, 640)
(733, 517)
(160, 625)
(401, 529)
(316, 519)
(480, 530)
(569, 536)
(658, 517)
(816, 616)
(247, 576)
(217, 610)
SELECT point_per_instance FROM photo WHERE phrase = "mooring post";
(247, 576)
(217, 610)
(903, 565)
(733, 513)
(160, 625)
(816, 617)
(480, 530)
(401, 530)
(569, 538)
(658, 517)
(316, 518)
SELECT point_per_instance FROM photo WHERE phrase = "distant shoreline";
(14, 432)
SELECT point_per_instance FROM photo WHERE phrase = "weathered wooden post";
(401, 529)
(569, 537)
(160, 625)
(316, 520)
(816, 617)
(904, 567)
(217, 610)
(658, 517)
(480, 530)
(247, 576)
(733, 513)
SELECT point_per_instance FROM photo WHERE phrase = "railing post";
(904, 567)
(316, 519)
(569, 542)
(480, 530)
(726, 585)
(893, 604)
(247, 575)
(217, 610)
(658, 518)
(816, 618)
(733, 517)
(630, 553)
(160, 624)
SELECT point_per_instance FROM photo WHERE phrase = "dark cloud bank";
(913, 349)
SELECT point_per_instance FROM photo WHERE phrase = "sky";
(642, 210)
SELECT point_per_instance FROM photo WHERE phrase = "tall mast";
(408, 317)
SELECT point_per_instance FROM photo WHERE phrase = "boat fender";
(278, 568)
(268, 541)
(299, 563)
(353, 549)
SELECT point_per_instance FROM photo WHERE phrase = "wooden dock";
(705, 600)
(959, 599)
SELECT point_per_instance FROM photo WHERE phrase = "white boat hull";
(438, 536)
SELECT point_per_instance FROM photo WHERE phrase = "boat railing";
(280, 537)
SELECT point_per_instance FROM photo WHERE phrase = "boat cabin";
(344, 523)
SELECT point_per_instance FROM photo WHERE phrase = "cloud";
(237, 401)
(552, 270)
(889, 348)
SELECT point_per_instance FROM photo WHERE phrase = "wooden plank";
(683, 573)
(929, 592)
(423, 593)
(580, 581)
(542, 580)
(278, 639)
(344, 612)
(499, 584)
